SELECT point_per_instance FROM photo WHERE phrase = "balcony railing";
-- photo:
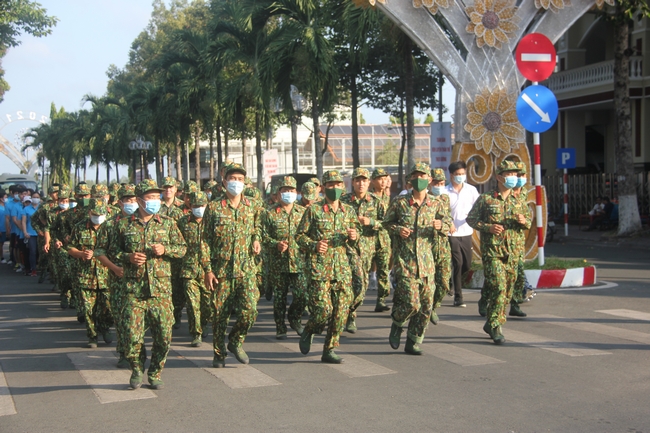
(591, 75)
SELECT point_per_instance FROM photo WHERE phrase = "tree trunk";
(294, 144)
(97, 173)
(160, 169)
(629, 220)
(319, 154)
(169, 165)
(244, 149)
(179, 167)
(410, 104)
(258, 152)
(197, 155)
(211, 138)
(219, 153)
(85, 170)
(186, 159)
(356, 161)
(402, 136)
(117, 172)
(108, 173)
(225, 142)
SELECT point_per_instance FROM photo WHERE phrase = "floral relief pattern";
(553, 5)
(432, 5)
(492, 122)
(493, 22)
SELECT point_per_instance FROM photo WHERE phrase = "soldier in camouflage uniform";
(319, 186)
(197, 297)
(308, 194)
(54, 242)
(412, 221)
(128, 206)
(169, 206)
(208, 187)
(327, 230)
(520, 196)
(92, 277)
(496, 216)
(82, 195)
(381, 258)
(114, 194)
(232, 235)
(144, 245)
(367, 207)
(278, 226)
(39, 220)
(441, 248)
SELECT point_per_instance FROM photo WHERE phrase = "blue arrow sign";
(566, 158)
(537, 108)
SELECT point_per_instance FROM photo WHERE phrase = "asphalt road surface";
(578, 363)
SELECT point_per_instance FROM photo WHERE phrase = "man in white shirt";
(461, 198)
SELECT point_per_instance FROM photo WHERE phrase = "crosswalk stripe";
(7, 406)
(540, 342)
(109, 383)
(234, 375)
(629, 314)
(353, 366)
(446, 352)
(597, 328)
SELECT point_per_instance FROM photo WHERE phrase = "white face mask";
(235, 187)
(36, 201)
(198, 211)
(98, 219)
(64, 206)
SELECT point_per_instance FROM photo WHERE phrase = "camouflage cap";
(287, 181)
(308, 191)
(421, 167)
(64, 191)
(275, 188)
(198, 198)
(190, 187)
(379, 172)
(127, 190)
(147, 185)
(114, 189)
(248, 181)
(361, 172)
(507, 165)
(53, 189)
(235, 167)
(438, 174)
(209, 185)
(97, 206)
(82, 189)
(99, 190)
(522, 168)
(332, 176)
(168, 181)
(180, 185)
(252, 192)
(315, 181)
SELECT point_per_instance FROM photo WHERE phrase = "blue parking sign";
(566, 158)
(537, 108)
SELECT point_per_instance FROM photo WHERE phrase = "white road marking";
(234, 375)
(628, 314)
(597, 328)
(109, 383)
(545, 343)
(446, 352)
(7, 406)
(353, 366)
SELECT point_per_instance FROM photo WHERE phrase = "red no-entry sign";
(536, 57)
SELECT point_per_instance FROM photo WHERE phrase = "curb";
(547, 279)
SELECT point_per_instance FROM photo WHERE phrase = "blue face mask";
(152, 207)
(437, 190)
(130, 208)
(460, 179)
(521, 181)
(235, 187)
(64, 206)
(510, 182)
(73, 204)
(288, 197)
(198, 211)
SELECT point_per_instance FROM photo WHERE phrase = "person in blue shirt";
(10, 204)
(30, 235)
(16, 226)
(3, 225)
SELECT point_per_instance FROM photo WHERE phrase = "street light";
(298, 103)
(139, 144)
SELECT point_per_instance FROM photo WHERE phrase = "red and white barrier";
(548, 279)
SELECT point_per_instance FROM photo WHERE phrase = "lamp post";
(139, 144)
(298, 103)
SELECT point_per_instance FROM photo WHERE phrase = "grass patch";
(550, 263)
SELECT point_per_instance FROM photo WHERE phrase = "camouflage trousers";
(239, 295)
(413, 302)
(500, 274)
(96, 308)
(63, 271)
(442, 259)
(520, 282)
(117, 301)
(360, 264)
(382, 262)
(199, 305)
(329, 305)
(42, 257)
(178, 294)
(298, 303)
(157, 313)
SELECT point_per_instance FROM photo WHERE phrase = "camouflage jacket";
(105, 235)
(172, 211)
(229, 234)
(441, 242)
(91, 274)
(54, 224)
(39, 219)
(131, 235)
(370, 207)
(383, 240)
(519, 232)
(279, 225)
(489, 209)
(197, 250)
(413, 256)
(318, 223)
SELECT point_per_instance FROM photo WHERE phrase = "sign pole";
(538, 198)
(566, 201)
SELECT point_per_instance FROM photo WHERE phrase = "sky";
(71, 62)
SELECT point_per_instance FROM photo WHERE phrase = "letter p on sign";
(566, 158)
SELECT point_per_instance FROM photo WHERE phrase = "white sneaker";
(10, 262)
(19, 270)
(3, 261)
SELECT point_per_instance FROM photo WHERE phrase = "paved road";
(578, 363)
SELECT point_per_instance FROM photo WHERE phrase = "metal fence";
(584, 188)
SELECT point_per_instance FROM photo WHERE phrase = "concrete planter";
(548, 279)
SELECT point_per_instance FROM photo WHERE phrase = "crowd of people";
(133, 257)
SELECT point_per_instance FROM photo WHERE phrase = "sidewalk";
(640, 241)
